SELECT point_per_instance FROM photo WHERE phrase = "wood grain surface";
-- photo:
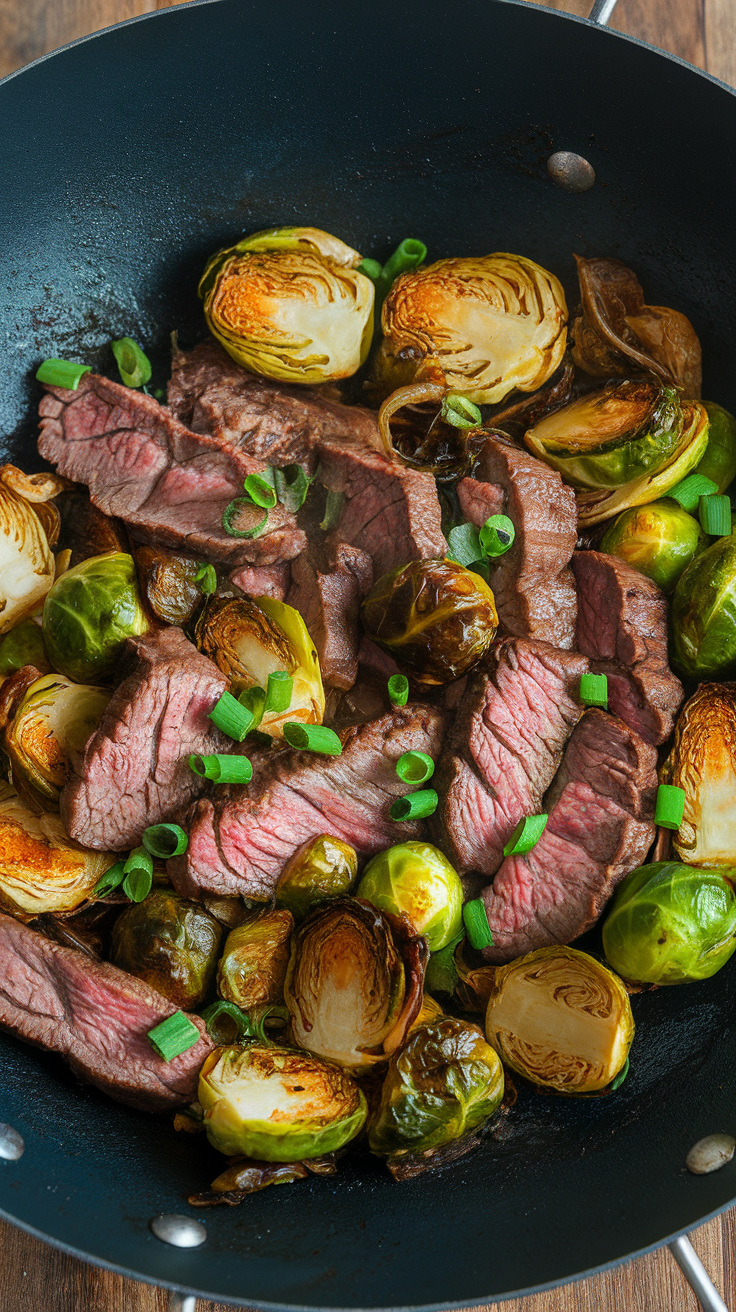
(36, 1278)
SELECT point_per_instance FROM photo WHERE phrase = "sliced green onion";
(415, 806)
(229, 715)
(619, 1079)
(292, 485)
(134, 365)
(715, 515)
(222, 769)
(497, 535)
(398, 690)
(62, 373)
(670, 806)
(526, 835)
(165, 840)
(688, 491)
(442, 974)
(333, 510)
(475, 919)
(226, 1023)
(594, 690)
(261, 491)
(459, 411)
(254, 700)
(408, 254)
(415, 767)
(206, 577)
(139, 859)
(464, 543)
(110, 880)
(312, 738)
(175, 1035)
(137, 884)
(279, 692)
(231, 512)
(371, 268)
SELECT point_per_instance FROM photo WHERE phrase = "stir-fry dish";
(347, 679)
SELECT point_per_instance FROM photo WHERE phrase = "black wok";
(124, 160)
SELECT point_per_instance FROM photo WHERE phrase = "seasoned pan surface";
(124, 160)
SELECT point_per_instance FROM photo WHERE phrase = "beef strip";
(134, 771)
(601, 825)
(96, 1017)
(329, 604)
(622, 627)
(263, 580)
(240, 841)
(505, 745)
(532, 584)
(170, 485)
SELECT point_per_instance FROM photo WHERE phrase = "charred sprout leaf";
(168, 584)
(254, 960)
(561, 1019)
(171, 943)
(245, 1176)
(277, 1105)
(703, 614)
(53, 721)
(85, 531)
(416, 880)
(290, 304)
(660, 540)
(40, 868)
(354, 983)
(26, 562)
(445, 1082)
(617, 329)
(88, 614)
(719, 461)
(442, 972)
(321, 869)
(413, 427)
(671, 924)
(21, 646)
(434, 617)
(702, 762)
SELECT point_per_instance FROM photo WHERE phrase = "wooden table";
(36, 1278)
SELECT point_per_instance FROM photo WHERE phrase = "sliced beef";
(134, 771)
(329, 604)
(240, 841)
(532, 584)
(263, 580)
(601, 825)
(96, 1017)
(170, 485)
(505, 745)
(622, 627)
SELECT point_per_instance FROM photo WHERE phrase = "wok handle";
(601, 11)
(696, 1275)
(181, 1302)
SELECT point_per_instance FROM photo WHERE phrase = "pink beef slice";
(329, 603)
(263, 580)
(95, 1016)
(134, 771)
(622, 627)
(240, 841)
(601, 825)
(532, 583)
(503, 750)
(170, 485)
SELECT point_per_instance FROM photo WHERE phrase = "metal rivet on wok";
(180, 1231)
(570, 171)
(710, 1154)
(11, 1143)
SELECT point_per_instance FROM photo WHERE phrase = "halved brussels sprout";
(417, 880)
(276, 1104)
(171, 943)
(436, 618)
(480, 326)
(322, 868)
(703, 613)
(703, 763)
(290, 303)
(89, 613)
(248, 639)
(445, 1082)
(719, 461)
(41, 869)
(254, 960)
(659, 539)
(26, 563)
(23, 645)
(54, 719)
(671, 924)
(561, 1019)
(354, 983)
(168, 584)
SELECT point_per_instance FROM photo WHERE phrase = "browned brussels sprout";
(41, 869)
(354, 983)
(255, 958)
(436, 618)
(85, 531)
(53, 721)
(703, 763)
(659, 539)
(171, 943)
(168, 584)
(703, 613)
(322, 868)
(21, 646)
